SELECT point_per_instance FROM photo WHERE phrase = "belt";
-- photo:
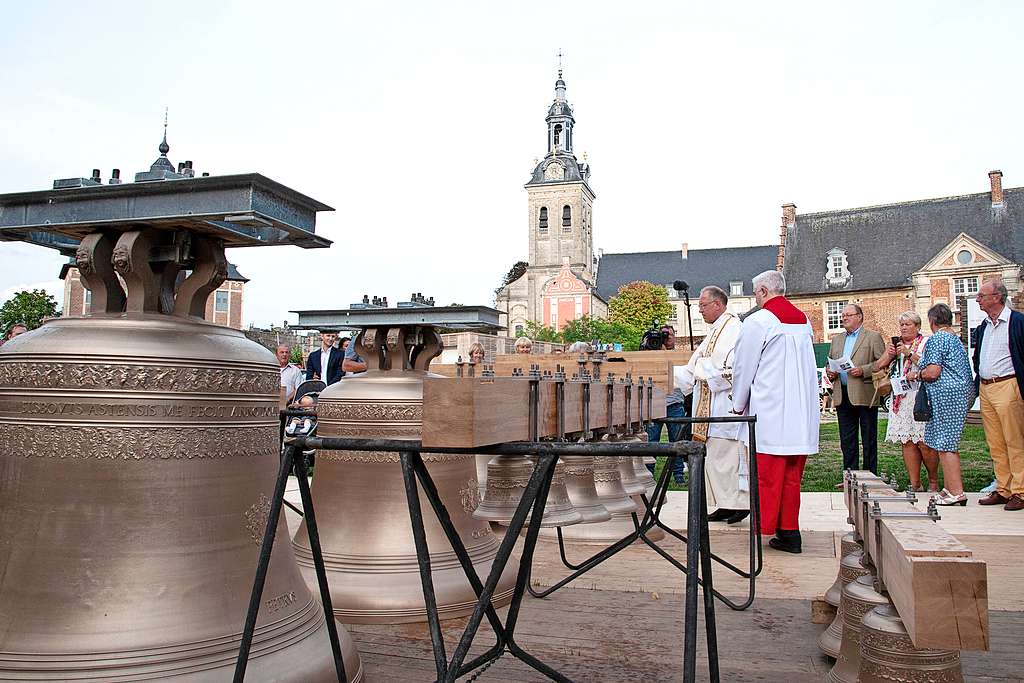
(997, 379)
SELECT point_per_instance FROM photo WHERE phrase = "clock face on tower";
(554, 171)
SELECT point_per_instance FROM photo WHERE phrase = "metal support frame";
(417, 478)
(652, 518)
(288, 461)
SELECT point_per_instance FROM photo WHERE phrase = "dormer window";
(837, 269)
(736, 288)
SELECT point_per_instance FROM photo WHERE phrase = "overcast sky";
(419, 122)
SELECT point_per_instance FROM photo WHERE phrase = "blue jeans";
(675, 433)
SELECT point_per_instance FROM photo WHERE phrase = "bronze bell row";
(599, 492)
(875, 645)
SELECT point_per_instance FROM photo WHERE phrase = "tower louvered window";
(566, 216)
(542, 224)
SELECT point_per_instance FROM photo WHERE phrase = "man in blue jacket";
(999, 381)
(326, 362)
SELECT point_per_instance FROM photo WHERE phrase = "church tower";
(559, 214)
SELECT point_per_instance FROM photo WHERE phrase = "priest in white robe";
(775, 378)
(708, 376)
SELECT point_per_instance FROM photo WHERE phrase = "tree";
(638, 304)
(596, 329)
(538, 332)
(295, 355)
(516, 272)
(28, 308)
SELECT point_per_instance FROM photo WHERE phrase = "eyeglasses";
(844, 316)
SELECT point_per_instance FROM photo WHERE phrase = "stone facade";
(558, 285)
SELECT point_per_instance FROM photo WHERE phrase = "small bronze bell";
(887, 653)
(631, 482)
(643, 475)
(579, 482)
(851, 567)
(608, 484)
(507, 478)
(859, 598)
(847, 545)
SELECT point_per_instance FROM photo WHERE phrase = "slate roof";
(886, 244)
(574, 170)
(701, 268)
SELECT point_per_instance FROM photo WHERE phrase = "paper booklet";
(842, 364)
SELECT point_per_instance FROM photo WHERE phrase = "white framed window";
(834, 314)
(87, 300)
(965, 286)
(220, 304)
(837, 267)
(736, 289)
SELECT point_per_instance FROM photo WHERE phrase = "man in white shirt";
(999, 374)
(708, 376)
(291, 375)
(776, 379)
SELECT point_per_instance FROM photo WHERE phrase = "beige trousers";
(721, 474)
(1002, 414)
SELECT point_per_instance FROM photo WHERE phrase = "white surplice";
(689, 378)
(708, 376)
(776, 379)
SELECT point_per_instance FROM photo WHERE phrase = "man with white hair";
(291, 375)
(776, 379)
(708, 376)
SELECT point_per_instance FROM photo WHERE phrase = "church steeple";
(560, 121)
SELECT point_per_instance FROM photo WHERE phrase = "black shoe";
(737, 516)
(786, 541)
(721, 515)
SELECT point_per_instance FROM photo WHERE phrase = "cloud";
(54, 287)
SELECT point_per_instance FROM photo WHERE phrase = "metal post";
(423, 558)
(263, 564)
(318, 563)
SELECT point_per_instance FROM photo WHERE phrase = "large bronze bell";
(851, 567)
(859, 598)
(507, 477)
(579, 483)
(360, 497)
(887, 653)
(138, 454)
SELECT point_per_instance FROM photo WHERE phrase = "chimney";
(115, 177)
(995, 179)
(686, 250)
(788, 220)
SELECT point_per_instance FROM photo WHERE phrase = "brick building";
(906, 256)
(730, 269)
(224, 306)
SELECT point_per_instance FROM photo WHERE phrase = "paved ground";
(623, 621)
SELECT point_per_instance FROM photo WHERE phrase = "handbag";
(922, 405)
(883, 385)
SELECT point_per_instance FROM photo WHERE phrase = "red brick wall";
(881, 309)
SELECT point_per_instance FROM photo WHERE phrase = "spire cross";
(559, 62)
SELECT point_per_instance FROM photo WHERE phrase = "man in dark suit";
(854, 394)
(999, 381)
(334, 360)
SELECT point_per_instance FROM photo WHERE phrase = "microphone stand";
(689, 320)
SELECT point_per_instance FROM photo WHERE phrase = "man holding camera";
(675, 402)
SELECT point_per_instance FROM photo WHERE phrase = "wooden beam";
(936, 584)
(471, 411)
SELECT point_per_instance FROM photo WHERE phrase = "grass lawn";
(825, 469)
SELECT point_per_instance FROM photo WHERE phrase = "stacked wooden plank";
(654, 364)
(936, 584)
(474, 411)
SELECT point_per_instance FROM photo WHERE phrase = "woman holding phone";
(906, 350)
